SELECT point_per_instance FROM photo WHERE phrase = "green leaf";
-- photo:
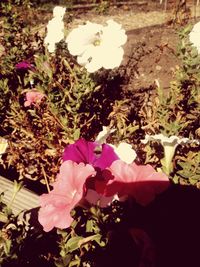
(73, 243)
(89, 226)
(75, 262)
(76, 134)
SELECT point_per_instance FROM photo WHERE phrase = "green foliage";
(89, 233)
(188, 169)
(176, 112)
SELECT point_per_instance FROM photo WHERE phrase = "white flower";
(55, 29)
(3, 146)
(172, 140)
(97, 46)
(59, 12)
(194, 36)
(125, 152)
(103, 135)
(169, 145)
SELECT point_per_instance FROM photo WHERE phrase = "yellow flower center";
(96, 42)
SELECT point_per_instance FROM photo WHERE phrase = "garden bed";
(151, 102)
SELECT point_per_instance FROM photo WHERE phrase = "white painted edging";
(24, 200)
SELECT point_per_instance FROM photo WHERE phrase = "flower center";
(96, 42)
(97, 39)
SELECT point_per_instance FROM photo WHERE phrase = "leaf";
(76, 134)
(75, 262)
(96, 238)
(74, 243)
(89, 226)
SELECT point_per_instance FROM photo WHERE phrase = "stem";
(46, 180)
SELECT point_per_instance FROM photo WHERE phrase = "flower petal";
(141, 182)
(67, 192)
(80, 151)
(84, 151)
(106, 158)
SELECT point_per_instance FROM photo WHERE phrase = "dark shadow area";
(173, 222)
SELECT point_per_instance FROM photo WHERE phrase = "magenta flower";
(67, 192)
(33, 98)
(87, 152)
(141, 182)
(24, 65)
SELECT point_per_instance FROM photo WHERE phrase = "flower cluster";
(96, 46)
(96, 173)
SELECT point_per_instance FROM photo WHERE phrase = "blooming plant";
(169, 145)
(58, 89)
(57, 23)
(90, 176)
(94, 47)
(194, 36)
(33, 97)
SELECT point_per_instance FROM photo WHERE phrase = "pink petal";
(51, 216)
(84, 151)
(67, 192)
(141, 182)
(107, 157)
(80, 151)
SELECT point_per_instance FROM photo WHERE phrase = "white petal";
(113, 34)
(112, 57)
(194, 36)
(80, 38)
(59, 12)
(125, 152)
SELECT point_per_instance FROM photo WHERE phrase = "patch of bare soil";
(150, 54)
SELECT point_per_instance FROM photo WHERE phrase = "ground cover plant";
(99, 154)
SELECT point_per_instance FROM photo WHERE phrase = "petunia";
(95, 198)
(194, 36)
(3, 145)
(125, 152)
(55, 29)
(24, 65)
(59, 12)
(67, 192)
(141, 182)
(169, 145)
(103, 135)
(99, 156)
(97, 46)
(33, 98)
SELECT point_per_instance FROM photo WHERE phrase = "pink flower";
(85, 151)
(33, 97)
(24, 65)
(67, 192)
(141, 182)
(97, 199)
